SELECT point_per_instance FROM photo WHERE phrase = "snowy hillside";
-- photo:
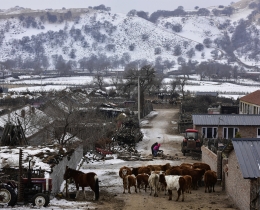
(33, 39)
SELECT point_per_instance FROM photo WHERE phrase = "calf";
(188, 183)
(129, 181)
(210, 179)
(153, 181)
(142, 179)
(174, 182)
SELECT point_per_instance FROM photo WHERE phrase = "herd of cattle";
(166, 177)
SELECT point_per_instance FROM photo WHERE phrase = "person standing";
(156, 149)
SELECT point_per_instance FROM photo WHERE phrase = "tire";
(7, 195)
(40, 200)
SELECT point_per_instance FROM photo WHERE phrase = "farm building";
(226, 126)
(241, 162)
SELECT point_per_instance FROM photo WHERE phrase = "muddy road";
(160, 127)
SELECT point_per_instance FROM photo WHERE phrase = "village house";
(227, 126)
(240, 163)
(250, 104)
(30, 120)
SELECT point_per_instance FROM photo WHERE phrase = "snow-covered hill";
(36, 39)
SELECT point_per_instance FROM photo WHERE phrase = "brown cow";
(154, 167)
(142, 179)
(188, 183)
(196, 175)
(140, 170)
(129, 181)
(186, 165)
(176, 170)
(201, 166)
(165, 167)
(126, 170)
(210, 179)
(159, 167)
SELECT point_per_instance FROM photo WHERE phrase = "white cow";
(153, 181)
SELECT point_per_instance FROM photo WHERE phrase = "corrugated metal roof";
(248, 155)
(223, 119)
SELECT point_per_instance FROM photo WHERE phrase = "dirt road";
(159, 127)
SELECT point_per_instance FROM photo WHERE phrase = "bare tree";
(71, 114)
(99, 81)
(147, 79)
(182, 82)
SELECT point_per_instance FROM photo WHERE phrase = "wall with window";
(228, 132)
(247, 108)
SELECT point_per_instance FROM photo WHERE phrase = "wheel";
(40, 199)
(7, 195)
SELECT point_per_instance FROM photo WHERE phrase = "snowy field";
(225, 89)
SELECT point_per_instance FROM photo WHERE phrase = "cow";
(173, 182)
(201, 166)
(188, 183)
(140, 170)
(186, 165)
(142, 179)
(129, 181)
(196, 175)
(159, 167)
(175, 170)
(210, 179)
(153, 181)
(123, 171)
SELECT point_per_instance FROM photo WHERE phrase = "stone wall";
(59, 169)
(209, 157)
(236, 186)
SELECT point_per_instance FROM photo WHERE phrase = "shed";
(241, 170)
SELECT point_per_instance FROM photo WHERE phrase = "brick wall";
(236, 186)
(59, 169)
(209, 157)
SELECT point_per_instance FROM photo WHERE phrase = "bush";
(199, 47)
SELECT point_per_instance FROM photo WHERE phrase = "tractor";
(26, 190)
(191, 142)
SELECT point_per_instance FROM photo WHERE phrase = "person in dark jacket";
(156, 143)
(156, 149)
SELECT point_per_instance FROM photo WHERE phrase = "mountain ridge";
(81, 34)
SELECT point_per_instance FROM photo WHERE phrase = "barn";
(241, 172)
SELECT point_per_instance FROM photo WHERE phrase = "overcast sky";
(117, 6)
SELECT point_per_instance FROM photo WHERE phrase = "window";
(229, 133)
(210, 132)
(258, 132)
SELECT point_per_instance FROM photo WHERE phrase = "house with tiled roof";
(250, 104)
